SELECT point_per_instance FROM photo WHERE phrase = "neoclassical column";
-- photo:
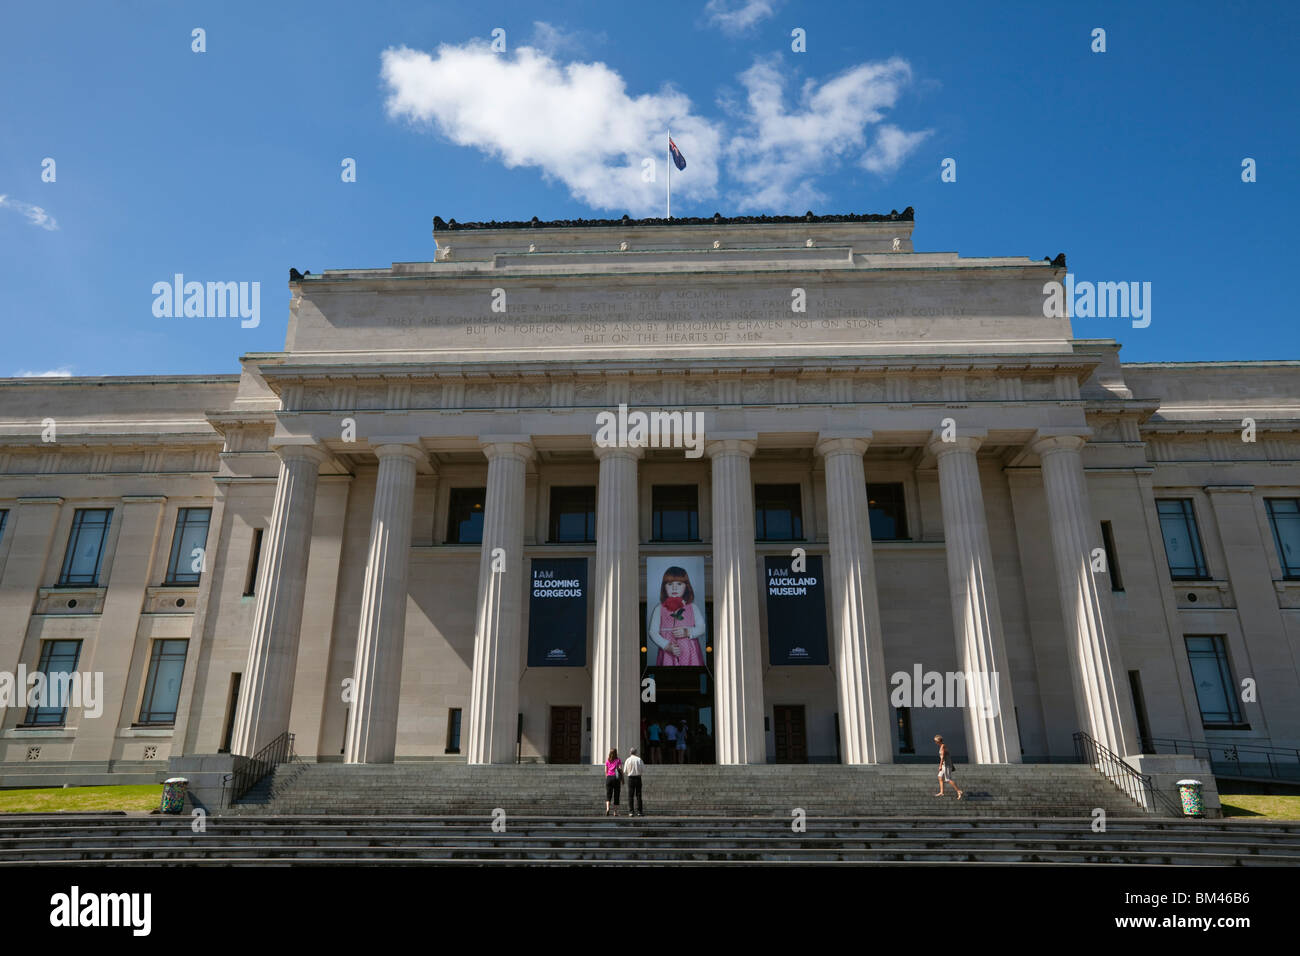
(991, 734)
(858, 645)
(615, 684)
(372, 719)
(266, 689)
(737, 675)
(494, 690)
(1101, 694)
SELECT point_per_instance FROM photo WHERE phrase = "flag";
(678, 159)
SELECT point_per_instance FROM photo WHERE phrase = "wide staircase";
(880, 790)
(121, 840)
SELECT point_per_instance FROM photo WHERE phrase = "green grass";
(1261, 805)
(53, 799)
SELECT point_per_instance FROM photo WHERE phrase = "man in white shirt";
(632, 768)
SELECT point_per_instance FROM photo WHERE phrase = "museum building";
(572, 482)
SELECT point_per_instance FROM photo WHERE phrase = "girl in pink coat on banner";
(676, 623)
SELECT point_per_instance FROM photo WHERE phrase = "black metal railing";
(250, 770)
(1117, 770)
(1232, 759)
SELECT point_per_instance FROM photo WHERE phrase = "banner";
(676, 630)
(796, 612)
(557, 613)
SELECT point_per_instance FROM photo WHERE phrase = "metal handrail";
(1117, 770)
(250, 770)
(1230, 755)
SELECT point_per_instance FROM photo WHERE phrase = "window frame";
(552, 514)
(901, 501)
(74, 539)
(1236, 718)
(1289, 573)
(656, 512)
(180, 579)
(796, 513)
(455, 497)
(33, 718)
(157, 652)
(1193, 530)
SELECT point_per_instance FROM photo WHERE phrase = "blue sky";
(225, 165)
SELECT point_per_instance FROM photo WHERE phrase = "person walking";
(653, 733)
(633, 767)
(682, 736)
(613, 778)
(945, 768)
(670, 740)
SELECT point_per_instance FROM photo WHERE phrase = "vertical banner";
(557, 613)
(796, 612)
(675, 626)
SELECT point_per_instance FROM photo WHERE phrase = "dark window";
(255, 559)
(162, 688)
(85, 547)
(1182, 542)
(465, 516)
(1112, 565)
(188, 544)
(573, 514)
(676, 513)
(887, 511)
(453, 731)
(778, 513)
(1140, 706)
(1283, 513)
(58, 658)
(4, 517)
(904, 720)
(1215, 691)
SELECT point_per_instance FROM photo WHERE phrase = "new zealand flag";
(678, 159)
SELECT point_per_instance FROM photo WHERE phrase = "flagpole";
(670, 176)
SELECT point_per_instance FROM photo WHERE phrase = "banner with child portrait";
(676, 631)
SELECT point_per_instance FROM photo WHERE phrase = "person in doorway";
(653, 733)
(613, 777)
(676, 623)
(635, 805)
(682, 736)
(945, 768)
(670, 739)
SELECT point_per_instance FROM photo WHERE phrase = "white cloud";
(63, 372)
(737, 16)
(553, 40)
(891, 147)
(781, 150)
(575, 122)
(35, 214)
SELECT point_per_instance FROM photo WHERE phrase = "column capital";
(393, 448)
(507, 446)
(842, 443)
(619, 451)
(729, 443)
(1048, 440)
(296, 448)
(969, 442)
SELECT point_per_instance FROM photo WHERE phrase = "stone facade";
(823, 354)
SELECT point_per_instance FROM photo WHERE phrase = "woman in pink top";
(613, 773)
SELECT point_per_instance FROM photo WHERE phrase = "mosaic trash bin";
(173, 795)
(1189, 791)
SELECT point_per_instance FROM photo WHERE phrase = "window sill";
(47, 732)
(166, 731)
(1232, 727)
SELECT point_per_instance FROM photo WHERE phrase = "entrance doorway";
(791, 734)
(566, 735)
(683, 698)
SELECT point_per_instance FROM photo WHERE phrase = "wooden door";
(566, 735)
(791, 734)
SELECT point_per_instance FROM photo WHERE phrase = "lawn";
(53, 799)
(1261, 805)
